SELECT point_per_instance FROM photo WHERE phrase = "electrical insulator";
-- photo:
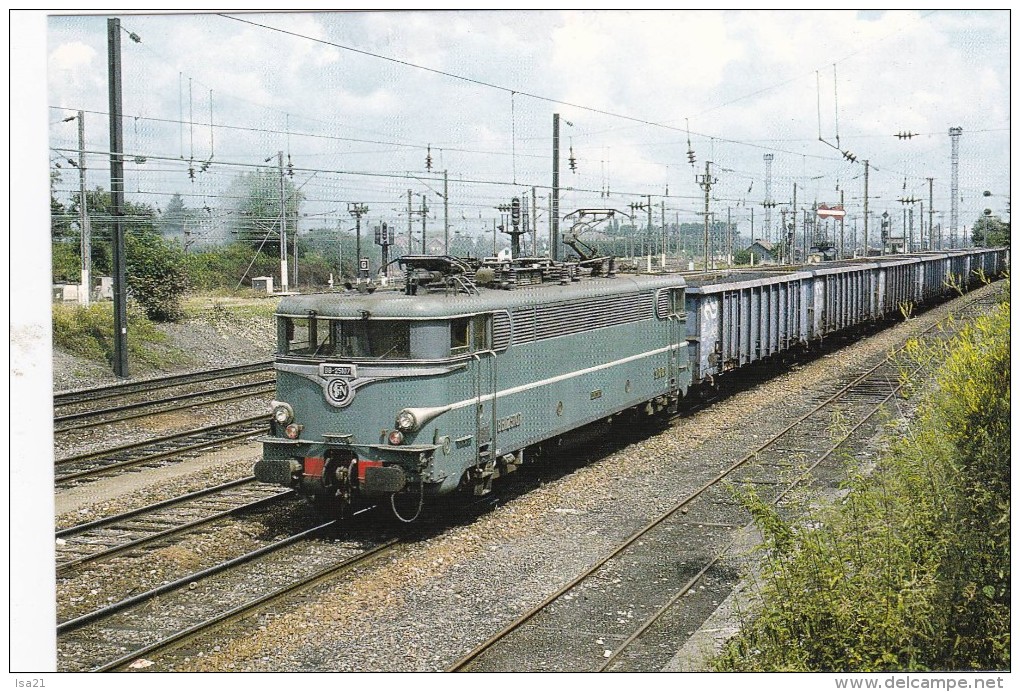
(290, 167)
(428, 158)
(690, 156)
(849, 156)
(573, 161)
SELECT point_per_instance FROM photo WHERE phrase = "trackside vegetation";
(911, 571)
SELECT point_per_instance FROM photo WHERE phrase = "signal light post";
(384, 238)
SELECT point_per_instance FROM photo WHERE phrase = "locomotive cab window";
(322, 338)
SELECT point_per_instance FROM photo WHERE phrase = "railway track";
(129, 531)
(170, 614)
(633, 608)
(113, 391)
(78, 410)
(160, 450)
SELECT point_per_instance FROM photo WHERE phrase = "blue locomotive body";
(446, 386)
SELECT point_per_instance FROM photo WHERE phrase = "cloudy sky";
(357, 101)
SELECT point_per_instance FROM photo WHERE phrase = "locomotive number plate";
(334, 370)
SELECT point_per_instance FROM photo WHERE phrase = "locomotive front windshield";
(309, 336)
(383, 339)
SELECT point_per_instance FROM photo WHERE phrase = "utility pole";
(357, 210)
(728, 244)
(931, 216)
(662, 232)
(954, 185)
(921, 245)
(783, 249)
(841, 226)
(534, 223)
(284, 281)
(424, 215)
(648, 206)
(793, 236)
(910, 216)
(866, 169)
(768, 196)
(554, 222)
(85, 293)
(446, 213)
(706, 182)
(410, 213)
(120, 325)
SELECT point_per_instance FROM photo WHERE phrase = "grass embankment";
(87, 332)
(912, 570)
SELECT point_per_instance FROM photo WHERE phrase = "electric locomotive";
(444, 387)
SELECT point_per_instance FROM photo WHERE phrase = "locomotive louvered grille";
(500, 331)
(662, 307)
(550, 321)
(524, 325)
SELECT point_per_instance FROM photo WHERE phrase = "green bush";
(229, 267)
(156, 275)
(912, 571)
(66, 263)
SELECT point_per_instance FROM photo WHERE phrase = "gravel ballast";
(442, 594)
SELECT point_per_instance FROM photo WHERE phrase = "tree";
(136, 218)
(177, 220)
(157, 275)
(257, 209)
(990, 231)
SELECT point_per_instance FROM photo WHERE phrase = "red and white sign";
(836, 212)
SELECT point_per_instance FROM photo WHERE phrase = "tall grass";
(912, 570)
(87, 332)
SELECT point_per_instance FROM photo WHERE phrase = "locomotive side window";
(297, 335)
(470, 334)
(459, 335)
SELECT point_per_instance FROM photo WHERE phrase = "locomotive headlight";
(293, 430)
(395, 437)
(283, 413)
(406, 421)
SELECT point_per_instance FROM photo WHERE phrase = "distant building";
(763, 252)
